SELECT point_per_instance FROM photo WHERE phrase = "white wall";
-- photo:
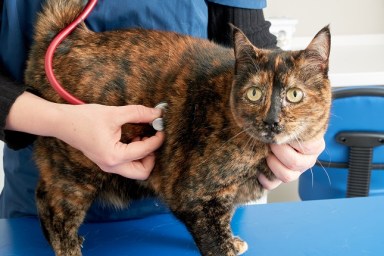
(344, 16)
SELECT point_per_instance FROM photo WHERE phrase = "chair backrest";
(353, 162)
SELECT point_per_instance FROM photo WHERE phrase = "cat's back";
(155, 47)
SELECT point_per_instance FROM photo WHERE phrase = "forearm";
(34, 115)
(10, 91)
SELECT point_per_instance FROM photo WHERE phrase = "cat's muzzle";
(270, 131)
(273, 128)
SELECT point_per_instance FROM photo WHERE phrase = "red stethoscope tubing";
(51, 50)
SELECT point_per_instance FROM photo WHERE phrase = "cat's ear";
(317, 52)
(245, 52)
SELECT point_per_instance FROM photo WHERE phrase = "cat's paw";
(240, 246)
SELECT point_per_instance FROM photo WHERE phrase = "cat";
(225, 105)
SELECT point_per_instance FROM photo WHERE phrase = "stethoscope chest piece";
(158, 123)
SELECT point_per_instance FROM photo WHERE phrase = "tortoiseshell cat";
(224, 107)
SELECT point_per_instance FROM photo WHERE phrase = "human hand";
(96, 131)
(288, 162)
(93, 129)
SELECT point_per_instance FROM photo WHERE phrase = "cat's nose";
(272, 125)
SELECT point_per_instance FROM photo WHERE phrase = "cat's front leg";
(61, 209)
(209, 224)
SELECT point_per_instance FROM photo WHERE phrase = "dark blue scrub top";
(17, 19)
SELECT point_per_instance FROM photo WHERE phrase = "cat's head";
(281, 96)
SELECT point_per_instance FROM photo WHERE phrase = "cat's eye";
(254, 94)
(295, 95)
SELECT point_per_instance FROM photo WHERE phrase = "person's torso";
(18, 17)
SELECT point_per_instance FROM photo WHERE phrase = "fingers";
(313, 147)
(288, 162)
(269, 184)
(137, 170)
(138, 149)
(137, 114)
(282, 172)
(134, 160)
(287, 158)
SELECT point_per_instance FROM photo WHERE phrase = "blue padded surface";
(348, 114)
(361, 113)
(352, 227)
(335, 186)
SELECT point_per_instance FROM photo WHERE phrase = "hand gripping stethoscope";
(157, 123)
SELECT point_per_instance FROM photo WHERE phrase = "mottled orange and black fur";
(224, 107)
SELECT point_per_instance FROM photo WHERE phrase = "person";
(24, 115)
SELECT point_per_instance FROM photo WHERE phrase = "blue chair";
(352, 164)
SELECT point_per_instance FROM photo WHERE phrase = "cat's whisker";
(226, 128)
(311, 170)
(329, 155)
(254, 144)
(299, 143)
(225, 143)
(312, 177)
(229, 140)
(317, 161)
(334, 115)
(325, 171)
(251, 142)
(246, 144)
(295, 136)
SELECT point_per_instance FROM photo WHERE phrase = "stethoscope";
(157, 124)
(52, 48)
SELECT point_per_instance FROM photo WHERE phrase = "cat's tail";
(55, 16)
